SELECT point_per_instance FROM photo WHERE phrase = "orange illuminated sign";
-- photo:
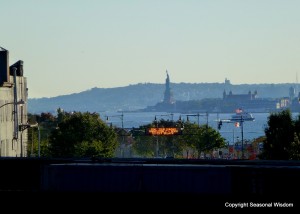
(163, 131)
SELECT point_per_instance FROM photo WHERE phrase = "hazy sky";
(69, 46)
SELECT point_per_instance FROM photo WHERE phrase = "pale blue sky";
(69, 46)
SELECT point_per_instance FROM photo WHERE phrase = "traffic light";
(219, 124)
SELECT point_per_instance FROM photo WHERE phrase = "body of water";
(250, 130)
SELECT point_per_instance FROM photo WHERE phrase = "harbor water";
(232, 133)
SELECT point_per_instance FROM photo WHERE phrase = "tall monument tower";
(168, 96)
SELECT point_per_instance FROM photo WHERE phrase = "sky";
(70, 46)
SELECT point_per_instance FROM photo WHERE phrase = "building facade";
(13, 108)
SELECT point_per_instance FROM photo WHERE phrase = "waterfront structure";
(13, 108)
(239, 97)
(249, 101)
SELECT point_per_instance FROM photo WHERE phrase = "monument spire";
(168, 98)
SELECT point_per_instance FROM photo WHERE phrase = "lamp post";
(198, 117)
(22, 127)
(239, 123)
(242, 134)
(39, 139)
(121, 116)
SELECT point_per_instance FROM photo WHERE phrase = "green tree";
(143, 145)
(82, 135)
(280, 136)
(193, 139)
(46, 123)
(294, 151)
(147, 145)
(202, 138)
(189, 138)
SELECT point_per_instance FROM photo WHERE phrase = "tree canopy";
(193, 138)
(282, 137)
(82, 135)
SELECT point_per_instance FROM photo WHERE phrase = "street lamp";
(238, 123)
(25, 126)
(198, 117)
(22, 127)
(242, 133)
(121, 116)
(20, 102)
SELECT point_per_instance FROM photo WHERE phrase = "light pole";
(242, 134)
(121, 116)
(198, 117)
(39, 139)
(239, 123)
(22, 127)
(193, 115)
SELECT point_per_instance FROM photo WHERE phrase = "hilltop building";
(13, 108)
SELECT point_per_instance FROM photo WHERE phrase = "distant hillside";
(139, 96)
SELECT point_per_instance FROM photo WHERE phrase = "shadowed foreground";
(165, 183)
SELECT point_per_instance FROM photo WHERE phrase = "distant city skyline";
(71, 46)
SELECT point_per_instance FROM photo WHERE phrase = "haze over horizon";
(73, 46)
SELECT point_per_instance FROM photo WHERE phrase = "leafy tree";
(193, 138)
(147, 145)
(281, 139)
(294, 151)
(143, 145)
(188, 138)
(202, 138)
(46, 123)
(82, 135)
